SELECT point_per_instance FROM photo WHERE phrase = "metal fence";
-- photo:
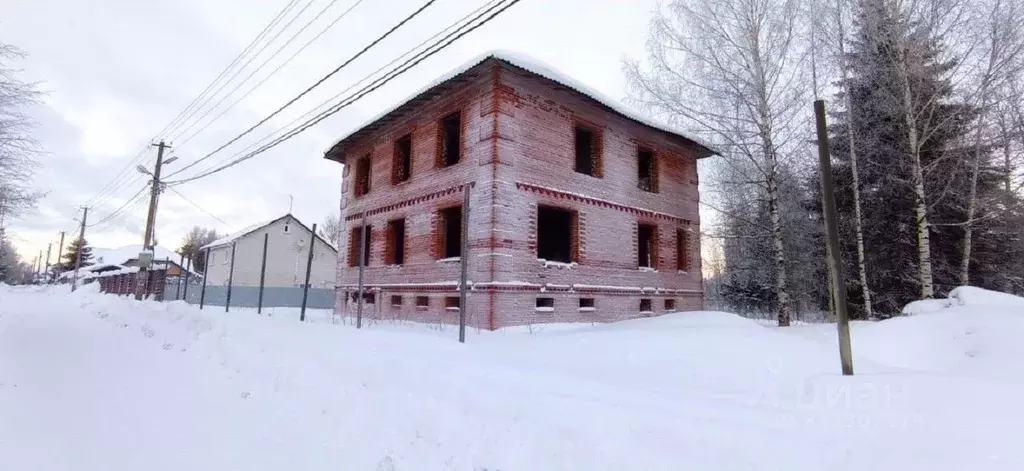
(248, 296)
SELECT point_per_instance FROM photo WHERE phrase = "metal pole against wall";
(177, 288)
(309, 268)
(263, 274)
(835, 263)
(78, 255)
(46, 272)
(362, 268)
(188, 271)
(231, 276)
(464, 262)
(206, 275)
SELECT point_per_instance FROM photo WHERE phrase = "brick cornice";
(411, 201)
(556, 193)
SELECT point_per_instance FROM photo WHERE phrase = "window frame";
(596, 148)
(441, 232)
(652, 167)
(441, 157)
(362, 185)
(682, 250)
(653, 250)
(355, 237)
(398, 161)
(574, 232)
(390, 242)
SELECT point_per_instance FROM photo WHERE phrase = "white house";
(288, 242)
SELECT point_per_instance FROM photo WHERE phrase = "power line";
(111, 184)
(306, 91)
(316, 109)
(280, 66)
(193, 203)
(227, 95)
(366, 90)
(121, 208)
(192, 106)
(138, 204)
(119, 182)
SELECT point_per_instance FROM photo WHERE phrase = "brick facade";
(517, 154)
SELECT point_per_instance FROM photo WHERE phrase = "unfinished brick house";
(579, 210)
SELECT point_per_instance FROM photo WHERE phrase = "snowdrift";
(967, 296)
(698, 390)
(974, 331)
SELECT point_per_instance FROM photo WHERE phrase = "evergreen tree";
(886, 54)
(194, 240)
(79, 248)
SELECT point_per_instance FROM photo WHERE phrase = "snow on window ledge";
(544, 309)
(647, 269)
(424, 308)
(559, 265)
(452, 309)
(646, 313)
(682, 272)
(588, 309)
(450, 260)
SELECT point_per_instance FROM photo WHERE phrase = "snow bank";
(967, 296)
(699, 390)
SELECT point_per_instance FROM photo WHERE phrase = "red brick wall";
(537, 148)
(518, 153)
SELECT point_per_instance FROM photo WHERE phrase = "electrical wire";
(119, 182)
(347, 102)
(192, 107)
(306, 91)
(318, 108)
(280, 66)
(138, 204)
(121, 208)
(193, 203)
(254, 71)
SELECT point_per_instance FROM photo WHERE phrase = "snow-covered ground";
(96, 382)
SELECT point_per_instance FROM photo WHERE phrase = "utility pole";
(147, 236)
(464, 262)
(46, 272)
(835, 263)
(78, 256)
(60, 247)
(154, 195)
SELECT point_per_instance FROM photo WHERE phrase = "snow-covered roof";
(129, 252)
(537, 67)
(242, 233)
(227, 240)
(88, 270)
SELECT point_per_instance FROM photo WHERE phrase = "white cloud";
(118, 71)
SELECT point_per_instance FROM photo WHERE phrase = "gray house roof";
(229, 239)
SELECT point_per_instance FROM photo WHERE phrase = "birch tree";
(834, 34)
(731, 70)
(18, 149)
(1001, 55)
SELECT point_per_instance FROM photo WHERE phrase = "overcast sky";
(117, 71)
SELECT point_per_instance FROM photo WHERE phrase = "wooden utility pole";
(362, 267)
(154, 195)
(464, 262)
(309, 268)
(835, 263)
(78, 256)
(231, 279)
(46, 271)
(147, 236)
(60, 247)
(263, 273)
